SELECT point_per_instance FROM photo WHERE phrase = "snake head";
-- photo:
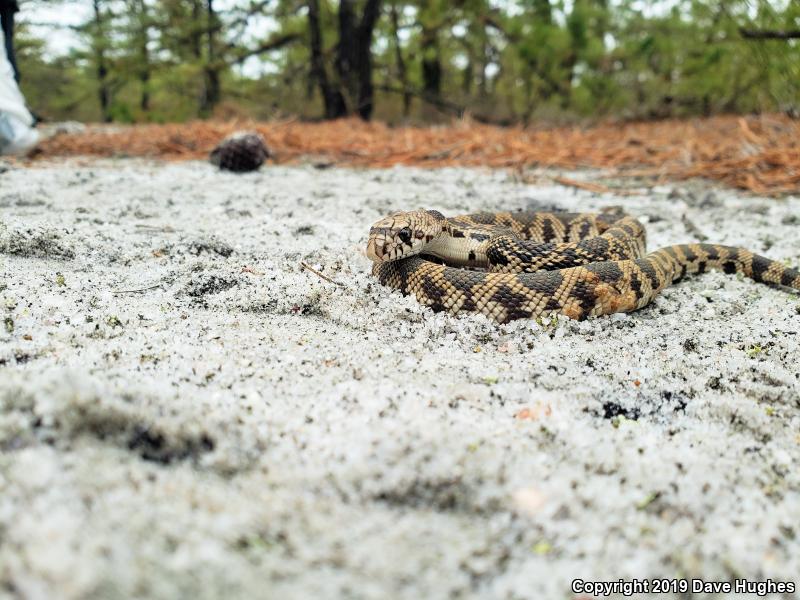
(403, 234)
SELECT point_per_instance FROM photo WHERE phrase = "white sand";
(243, 428)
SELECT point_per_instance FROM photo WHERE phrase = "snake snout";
(386, 250)
(383, 249)
(375, 250)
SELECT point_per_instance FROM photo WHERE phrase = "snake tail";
(577, 292)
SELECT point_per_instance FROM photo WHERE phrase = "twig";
(584, 185)
(444, 153)
(162, 228)
(754, 34)
(693, 229)
(152, 287)
(318, 274)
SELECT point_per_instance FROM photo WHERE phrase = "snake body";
(529, 264)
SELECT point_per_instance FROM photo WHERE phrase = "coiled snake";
(520, 265)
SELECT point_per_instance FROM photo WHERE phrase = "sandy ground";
(185, 412)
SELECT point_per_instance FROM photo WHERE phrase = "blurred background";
(420, 61)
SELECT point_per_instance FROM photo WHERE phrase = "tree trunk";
(483, 82)
(143, 38)
(431, 74)
(144, 101)
(211, 77)
(98, 44)
(331, 98)
(354, 56)
(197, 34)
(344, 56)
(431, 64)
(400, 62)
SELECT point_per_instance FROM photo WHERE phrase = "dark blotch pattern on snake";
(522, 265)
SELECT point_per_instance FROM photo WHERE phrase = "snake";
(520, 265)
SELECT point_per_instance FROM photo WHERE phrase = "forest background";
(421, 61)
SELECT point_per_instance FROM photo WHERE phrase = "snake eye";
(405, 235)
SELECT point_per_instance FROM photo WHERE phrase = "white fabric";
(16, 134)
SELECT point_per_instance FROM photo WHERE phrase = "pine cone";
(239, 152)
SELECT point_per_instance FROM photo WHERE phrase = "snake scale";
(528, 264)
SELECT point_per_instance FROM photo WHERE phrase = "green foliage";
(509, 61)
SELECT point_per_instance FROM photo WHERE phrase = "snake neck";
(459, 246)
